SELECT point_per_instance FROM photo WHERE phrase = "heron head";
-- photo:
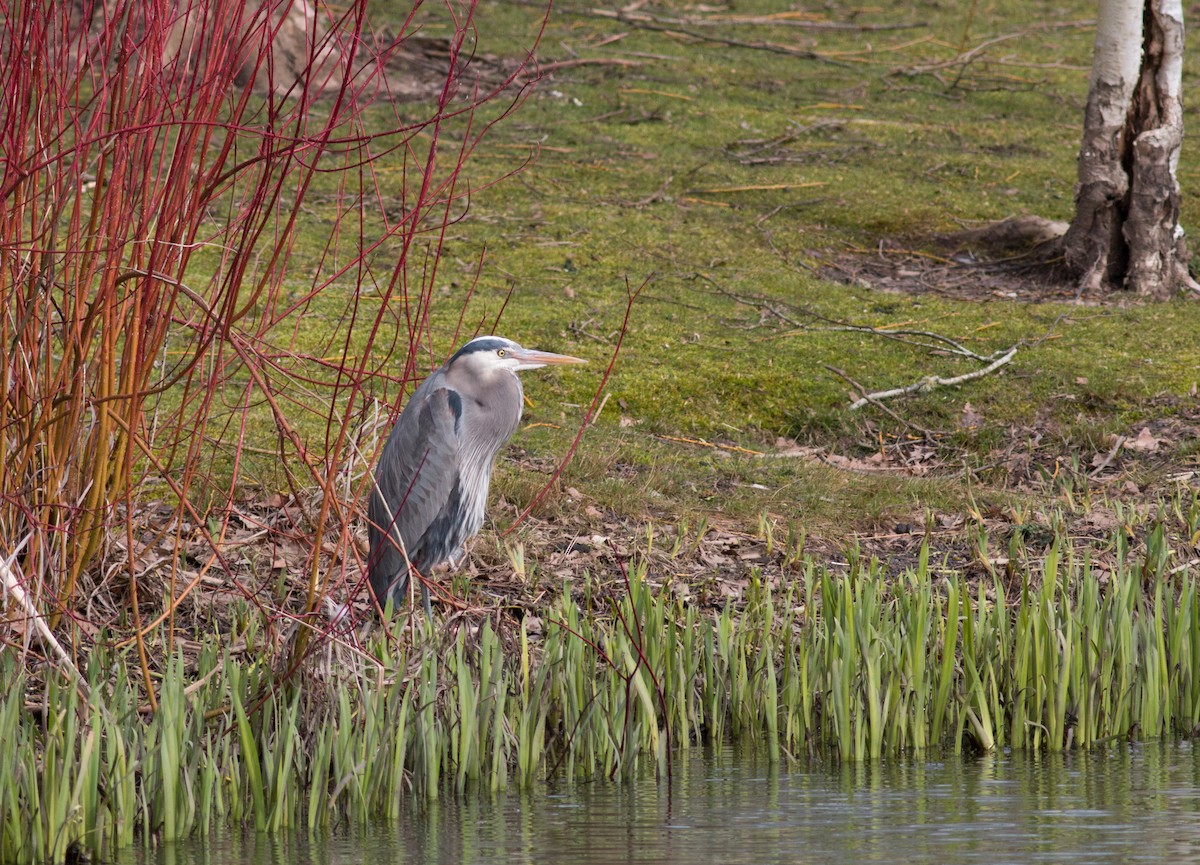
(496, 352)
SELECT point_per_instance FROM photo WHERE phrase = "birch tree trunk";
(288, 47)
(1126, 232)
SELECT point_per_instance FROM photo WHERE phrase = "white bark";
(1117, 54)
(1157, 250)
(1095, 232)
(283, 48)
(1126, 232)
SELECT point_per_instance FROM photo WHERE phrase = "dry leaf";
(970, 418)
(876, 462)
(785, 447)
(1099, 521)
(1145, 441)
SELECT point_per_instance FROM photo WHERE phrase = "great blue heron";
(432, 479)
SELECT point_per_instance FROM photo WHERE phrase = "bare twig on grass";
(757, 187)
(875, 401)
(556, 65)
(708, 444)
(961, 60)
(795, 205)
(935, 381)
(659, 194)
(929, 340)
(684, 28)
(1108, 459)
(786, 19)
(599, 409)
(940, 342)
(966, 56)
(920, 338)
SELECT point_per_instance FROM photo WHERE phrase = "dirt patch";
(713, 562)
(897, 266)
(1014, 259)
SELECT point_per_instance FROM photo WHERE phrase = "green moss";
(665, 172)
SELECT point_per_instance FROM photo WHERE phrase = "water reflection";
(1130, 804)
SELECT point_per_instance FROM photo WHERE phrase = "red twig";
(123, 161)
(631, 296)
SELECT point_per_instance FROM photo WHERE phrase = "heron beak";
(532, 358)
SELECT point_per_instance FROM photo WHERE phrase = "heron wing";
(416, 478)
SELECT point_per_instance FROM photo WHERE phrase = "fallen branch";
(968, 55)
(789, 19)
(557, 65)
(708, 444)
(648, 23)
(929, 340)
(12, 585)
(758, 187)
(946, 346)
(1108, 459)
(934, 381)
(875, 401)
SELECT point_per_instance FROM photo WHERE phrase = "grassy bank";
(616, 676)
(733, 553)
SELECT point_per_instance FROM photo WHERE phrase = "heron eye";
(501, 353)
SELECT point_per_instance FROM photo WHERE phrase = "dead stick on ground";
(863, 391)
(632, 17)
(946, 343)
(556, 65)
(1108, 459)
(934, 381)
(772, 47)
(13, 586)
(603, 403)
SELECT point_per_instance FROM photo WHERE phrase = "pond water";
(1129, 804)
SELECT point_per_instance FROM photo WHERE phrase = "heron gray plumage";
(431, 482)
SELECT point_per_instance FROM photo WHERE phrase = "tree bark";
(285, 48)
(1126, 232)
